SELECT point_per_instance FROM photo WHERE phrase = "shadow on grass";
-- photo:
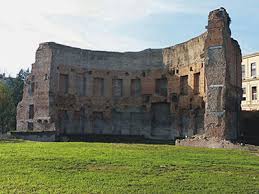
(112, 139)
(11, 141)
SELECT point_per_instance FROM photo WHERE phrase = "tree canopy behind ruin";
(11, 92)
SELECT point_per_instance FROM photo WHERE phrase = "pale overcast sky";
(117, 25)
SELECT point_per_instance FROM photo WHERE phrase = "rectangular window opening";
(98, 122)
(243, 72)
(184, 85)
(135, 87)
(244, 94)
(81, 85)
(196, 83)
(254, 93)
(30, 126)
(63, 83)
(253, 69)
(98, 87)
(31, 88)
(161, 87)
(31, 111)
(117, 87)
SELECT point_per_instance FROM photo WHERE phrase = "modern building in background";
(250, 79)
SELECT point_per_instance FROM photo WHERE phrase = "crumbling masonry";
(187, 89)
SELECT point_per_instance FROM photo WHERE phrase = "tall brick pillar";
(222, 72)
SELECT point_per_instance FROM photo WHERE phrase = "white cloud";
(25, 24)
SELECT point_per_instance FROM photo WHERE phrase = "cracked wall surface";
(183, 90)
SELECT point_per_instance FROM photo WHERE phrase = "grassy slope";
(119, 168)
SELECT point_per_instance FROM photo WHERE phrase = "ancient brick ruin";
(183, 90)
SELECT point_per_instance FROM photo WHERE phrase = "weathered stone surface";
(223, 76)
(156, 93)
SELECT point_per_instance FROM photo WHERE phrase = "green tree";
(11, 92)
(7, 109)
(16, 86)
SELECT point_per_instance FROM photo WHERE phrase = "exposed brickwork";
(223, 76)
(80, 92)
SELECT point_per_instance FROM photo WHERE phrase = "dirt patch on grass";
(212, 142)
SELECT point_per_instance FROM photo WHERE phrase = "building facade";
(250, 82)
(183, 90)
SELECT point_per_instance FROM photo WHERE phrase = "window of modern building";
(98, 87)
(117, 87)
(196, 86)
(161, 87)
(184, 85)
(244, 94)
(254, 93)
(135, 89)
(243, 72)
(253, 69)
(63, 83)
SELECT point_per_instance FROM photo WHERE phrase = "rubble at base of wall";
(203, 141)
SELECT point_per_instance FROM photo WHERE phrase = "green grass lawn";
(27, 167)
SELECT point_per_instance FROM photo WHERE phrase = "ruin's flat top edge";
(58, 45)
